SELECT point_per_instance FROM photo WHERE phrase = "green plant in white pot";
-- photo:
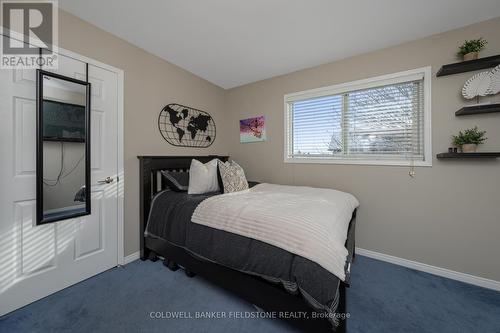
(469, 139)
(470, 48)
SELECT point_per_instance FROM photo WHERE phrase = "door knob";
(108, 180)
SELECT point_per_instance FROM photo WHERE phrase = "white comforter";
(309, 222)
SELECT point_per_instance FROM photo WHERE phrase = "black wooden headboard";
(151, 182)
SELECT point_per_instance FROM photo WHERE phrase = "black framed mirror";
(63, 147)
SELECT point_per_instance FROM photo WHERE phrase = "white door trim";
(120, 172)
(120, 149)
(447, 273)
(132, 257)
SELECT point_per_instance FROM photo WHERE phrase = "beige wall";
(150, 84)
(449, 215)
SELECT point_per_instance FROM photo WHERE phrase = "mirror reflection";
(64, 129)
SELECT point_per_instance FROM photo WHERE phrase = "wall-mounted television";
(63, 121)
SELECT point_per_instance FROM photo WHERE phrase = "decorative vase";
(471, 56)
(469, 148)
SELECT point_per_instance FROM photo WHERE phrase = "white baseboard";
(463, 277)
(131, 257)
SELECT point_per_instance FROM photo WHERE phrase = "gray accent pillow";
(233, 177)
(176, 181)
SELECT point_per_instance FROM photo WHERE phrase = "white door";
(36, 261)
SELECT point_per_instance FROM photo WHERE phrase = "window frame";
(374, 82)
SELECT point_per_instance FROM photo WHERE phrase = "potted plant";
(469, 139)
(470, 48)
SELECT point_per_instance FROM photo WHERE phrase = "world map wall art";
(253, 129)
(184, 126)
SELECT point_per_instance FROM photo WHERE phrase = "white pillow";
(203, 177)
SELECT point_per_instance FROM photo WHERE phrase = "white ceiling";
(234, 42)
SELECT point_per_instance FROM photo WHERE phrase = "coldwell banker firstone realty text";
(243, 315)
(224, 315)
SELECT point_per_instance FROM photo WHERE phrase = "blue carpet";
(383, 298)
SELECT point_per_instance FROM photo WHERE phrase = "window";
(382, 121)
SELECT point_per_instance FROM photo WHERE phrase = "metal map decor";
(184, 126)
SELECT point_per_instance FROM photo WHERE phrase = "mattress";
(170, 220)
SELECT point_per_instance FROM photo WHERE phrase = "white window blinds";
(382, 122)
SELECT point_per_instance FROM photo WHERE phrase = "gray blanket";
(170, 220)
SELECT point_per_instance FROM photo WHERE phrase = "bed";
(283, 283)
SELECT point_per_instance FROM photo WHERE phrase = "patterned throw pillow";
(233, 177)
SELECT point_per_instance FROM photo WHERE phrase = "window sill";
(312, 160)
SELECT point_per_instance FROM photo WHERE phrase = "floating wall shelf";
(468, 66)
(469, 155)
(477, 109)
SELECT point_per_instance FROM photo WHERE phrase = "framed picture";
(253, 129)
